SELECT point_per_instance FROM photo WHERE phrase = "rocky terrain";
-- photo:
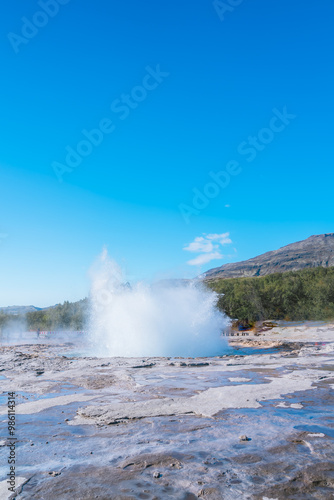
(313, 252)
(254, 423)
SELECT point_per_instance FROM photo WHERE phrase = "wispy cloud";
(205, 258)
(200, 244)
(208, 247)
(223, 239)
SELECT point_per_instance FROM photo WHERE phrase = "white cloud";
(205, 258)
(223, 238)
(208, 246)
(199, 245)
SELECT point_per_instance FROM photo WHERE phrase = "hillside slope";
(19, 310)
(316, 251)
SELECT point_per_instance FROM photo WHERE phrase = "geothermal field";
(255, 422)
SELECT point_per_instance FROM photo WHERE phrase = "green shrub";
(298, 295)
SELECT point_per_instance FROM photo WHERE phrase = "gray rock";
(315, 251)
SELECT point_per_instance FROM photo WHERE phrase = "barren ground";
(170, 428)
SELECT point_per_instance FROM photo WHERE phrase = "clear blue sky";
(225, 78)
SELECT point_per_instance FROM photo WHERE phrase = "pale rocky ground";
(170, 428)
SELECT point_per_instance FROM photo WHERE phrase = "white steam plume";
(160, 320)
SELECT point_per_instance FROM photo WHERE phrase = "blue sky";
(181, 95)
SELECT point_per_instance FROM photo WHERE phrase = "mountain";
(22, 310)
(19, 310)
(315, 251)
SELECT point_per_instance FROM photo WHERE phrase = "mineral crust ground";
(257, 423)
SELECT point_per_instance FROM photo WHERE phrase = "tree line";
(293, 296)
(66, 316)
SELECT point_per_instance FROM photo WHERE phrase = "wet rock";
(176, 465)
(209, 493)
(316, 479)
(145, 461)
(247, 459)
(147, 365)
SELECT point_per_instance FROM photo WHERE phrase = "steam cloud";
(158, 320)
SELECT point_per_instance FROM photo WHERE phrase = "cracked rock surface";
(171, 428)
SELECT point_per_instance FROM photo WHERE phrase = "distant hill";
(315, 251)
(22, 310)
(19, 310)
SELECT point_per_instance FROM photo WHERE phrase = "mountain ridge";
(21, 310)
(315, 251)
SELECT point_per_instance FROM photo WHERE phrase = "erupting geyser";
(158, 320)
